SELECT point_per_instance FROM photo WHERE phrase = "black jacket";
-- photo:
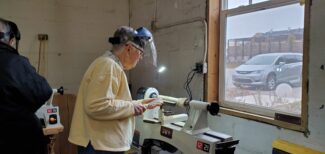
(22, 92)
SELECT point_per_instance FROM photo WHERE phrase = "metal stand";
(51, 144)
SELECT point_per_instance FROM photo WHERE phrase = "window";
(261, 61)
(230, 4)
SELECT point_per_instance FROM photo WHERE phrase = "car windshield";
(261, 60)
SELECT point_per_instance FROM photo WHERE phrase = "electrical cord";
(189, 78)
(187, 83)
(187, 87)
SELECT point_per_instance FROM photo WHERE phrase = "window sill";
(264, 119)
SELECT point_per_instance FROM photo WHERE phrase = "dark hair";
(14, 31)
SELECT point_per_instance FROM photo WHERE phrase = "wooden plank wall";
(212, 77)
(66, 104)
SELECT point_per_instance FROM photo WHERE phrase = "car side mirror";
(282, 63)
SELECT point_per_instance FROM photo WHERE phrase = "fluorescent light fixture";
(161, 69)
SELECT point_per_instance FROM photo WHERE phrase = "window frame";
(215, 88)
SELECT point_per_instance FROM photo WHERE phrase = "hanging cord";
(187, 83)
(187, 87)
(189, 78)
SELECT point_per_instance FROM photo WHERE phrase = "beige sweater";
(103, 113)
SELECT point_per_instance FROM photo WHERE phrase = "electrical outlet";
(43, 37)
(205, 68)
(201, 68)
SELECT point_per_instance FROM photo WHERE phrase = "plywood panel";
(66, 105)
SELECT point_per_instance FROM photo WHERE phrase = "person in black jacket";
(22, 93)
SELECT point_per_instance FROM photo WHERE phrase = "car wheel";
(271, 82)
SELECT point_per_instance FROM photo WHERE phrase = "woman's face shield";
(149, 49)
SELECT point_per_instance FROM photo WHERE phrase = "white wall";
(179, 38)
(78, 31)
(181, 46)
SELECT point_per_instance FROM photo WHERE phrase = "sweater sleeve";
(100, 94)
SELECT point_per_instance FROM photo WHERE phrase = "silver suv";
(269, 70)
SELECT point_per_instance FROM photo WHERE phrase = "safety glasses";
(137, 47)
